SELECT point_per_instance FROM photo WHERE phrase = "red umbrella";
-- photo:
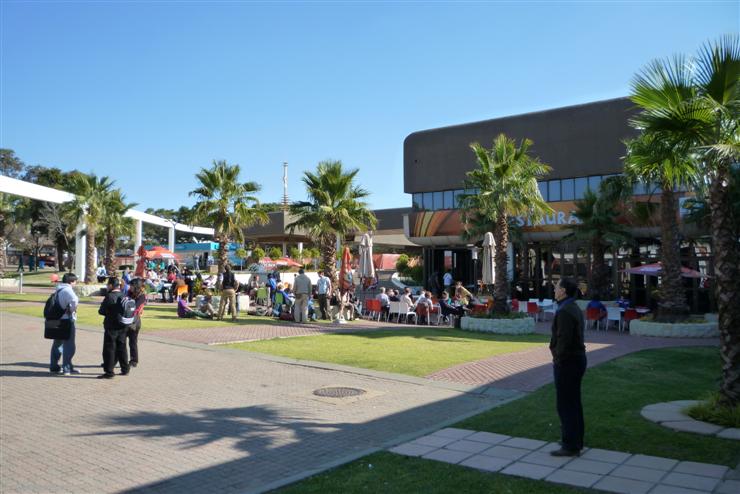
(284, 261)
(345, 272)
(656, 269)
(141, 262)
(160, 252)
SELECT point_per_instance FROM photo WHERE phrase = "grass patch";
(394, 474)
(40, 278)
(414, 351)
(613, 395)
(24, 297)
(714, 412)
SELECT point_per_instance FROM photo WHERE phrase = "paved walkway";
(193, 418)
(611, 471)
(530, 369)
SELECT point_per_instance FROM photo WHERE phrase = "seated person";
(463, 295)
(423, 306)
(347, 305)
(595, 303)
(186, 312)
(208, 304)
(287, 303)
(101, 273)
(311, 309)
(446, 307)
(393, 296)
(335, 303)
(408, 304)
(624, 301)
(385, 302)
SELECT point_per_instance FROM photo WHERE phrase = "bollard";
(20, 283)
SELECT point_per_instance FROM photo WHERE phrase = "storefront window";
(581, 184)
(593, 183)
(567, 187)
(456, 201)
(428, 203)
(448, 203)
(438, 201)
(416, 201)
(543, 189)
(553, 193)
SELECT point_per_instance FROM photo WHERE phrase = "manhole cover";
(338, 392)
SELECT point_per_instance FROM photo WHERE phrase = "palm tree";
(506, 179)
(698, 102)
(88, 207)
(599, 228)
(115, 224)
(334, 208)
(227, 205)
(671, 165)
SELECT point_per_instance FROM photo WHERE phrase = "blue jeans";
(65, 349)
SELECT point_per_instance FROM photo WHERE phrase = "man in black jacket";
(569, 364)
(114, 337)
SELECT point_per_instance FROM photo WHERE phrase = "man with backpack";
(229, 285)
(119, 313)
(66, 301)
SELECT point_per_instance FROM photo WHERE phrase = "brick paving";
(530, 369)
(193, 418)
(612, 471)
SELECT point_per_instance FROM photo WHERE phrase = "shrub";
(295, 253)
(275, 252)
(714, 412)
(257, 254)
(402, 264)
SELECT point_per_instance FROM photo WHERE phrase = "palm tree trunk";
(222, 246)
(501, 283)
(672, 304)
(598, 270)
(3, 257)
(329, 255)
(727, 277)
(110, 251)
(90, 254)
(525, 271)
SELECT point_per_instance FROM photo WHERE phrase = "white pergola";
(33, 191)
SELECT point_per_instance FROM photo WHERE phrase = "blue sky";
(150, 92)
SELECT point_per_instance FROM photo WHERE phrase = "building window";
(543, 189)
(553, 192)
(457, 194)
(416, 201)
(581, 184)
(568, 189)
(428, 203)
(593, 183)
(448, 203)
(438, 201)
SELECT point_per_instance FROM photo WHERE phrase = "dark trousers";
(568, 377)
(114, 350)
(324, 306)
(133, 344)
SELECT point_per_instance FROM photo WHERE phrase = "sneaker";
(124, 373)
(66, 373)
(133, 363)
(55, 371)
(106, 376)
(75, 371)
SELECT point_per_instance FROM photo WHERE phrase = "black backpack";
(127, 314)
(53, 311)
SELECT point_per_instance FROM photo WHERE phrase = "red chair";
(422, 311)
(514, 305)
(594, 314)
(629, 315)
(533, 309)
(373, 308)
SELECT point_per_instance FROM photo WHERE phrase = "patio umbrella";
(160, 252)
(365, 265)
(345, 272)
(284, 261)
(656, 269)
(140, 262)
(489, 267)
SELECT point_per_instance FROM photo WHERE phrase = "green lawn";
(417, 351)
(613, 395)
(388, 473)
(40, 278)
(24, 297)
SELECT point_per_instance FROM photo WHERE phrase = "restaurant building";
(583, 145)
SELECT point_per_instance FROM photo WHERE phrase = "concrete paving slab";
(694, 426)
(728, 487)
(453, 432)
(467, 446)
(729, 433)
(654, 462)
(487, 463)
(542, 458)
(528, 470)
(488, 437)
(447, 456)
(671, 489)
(638, 473)
(436, 441)
(570, 477)
(690, 481)
(623, 486)
(590, 466)
(702, 469)
(411, 449)
(606, 455)
(521, 442)
(506, 452)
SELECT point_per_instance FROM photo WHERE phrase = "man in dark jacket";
(114, 337)
(569, 365)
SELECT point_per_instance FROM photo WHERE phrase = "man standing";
(569, 365)
(67, 299)
(114, 336)
(228, 293)
(324, 289)
(447, 281)
(302, 289)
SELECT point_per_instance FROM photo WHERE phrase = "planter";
(9, 282)
(674, 330)
(498, 326)
(88, 290)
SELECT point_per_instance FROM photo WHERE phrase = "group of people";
(121, 310)
(455, 300)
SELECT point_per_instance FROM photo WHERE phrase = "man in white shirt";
(323, 286)
(447, 281)
(68, 300)
(385, 302)
(302, 289)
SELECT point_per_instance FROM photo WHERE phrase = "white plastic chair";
(395, 309)
(614, 314)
